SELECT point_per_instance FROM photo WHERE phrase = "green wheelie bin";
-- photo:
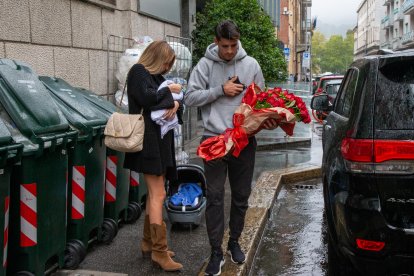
(137, 187)
(86, 174)
(38, 184)
(10, 153)
(116, 207)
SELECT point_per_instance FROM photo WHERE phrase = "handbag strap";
(123, 92)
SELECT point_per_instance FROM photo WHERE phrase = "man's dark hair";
(227, 29)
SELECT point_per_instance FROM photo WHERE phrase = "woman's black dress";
(158, 155)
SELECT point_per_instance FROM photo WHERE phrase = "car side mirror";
(321, 103)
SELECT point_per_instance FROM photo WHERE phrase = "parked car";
(323, 80)
(315, 81)
(331, 89)
(368, 167)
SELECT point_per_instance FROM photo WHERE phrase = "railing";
(398, 14)
(407, 5)
(407, 37)
(385, 45)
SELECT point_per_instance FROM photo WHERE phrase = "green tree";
(257, 34)
(333, 55)
(318, 47)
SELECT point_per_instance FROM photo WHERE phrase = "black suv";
(368, 167)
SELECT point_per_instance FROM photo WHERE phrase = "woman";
(157, 158)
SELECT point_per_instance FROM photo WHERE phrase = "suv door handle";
(327, 127)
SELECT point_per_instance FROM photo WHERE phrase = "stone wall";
(68, 38)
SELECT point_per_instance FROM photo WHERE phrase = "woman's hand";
(170, 113)
(175, 88)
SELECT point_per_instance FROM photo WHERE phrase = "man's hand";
(170, 113)
(232, 89)
(175, 88)
(270, 124)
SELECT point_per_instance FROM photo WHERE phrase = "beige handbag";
(125, 132)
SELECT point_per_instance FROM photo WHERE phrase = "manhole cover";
(304, 187)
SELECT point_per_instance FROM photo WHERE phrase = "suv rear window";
(394, 100)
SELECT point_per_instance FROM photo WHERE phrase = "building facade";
(69, 38)
(367, 32)
(397, 24)
(299, 30)
(292, 21)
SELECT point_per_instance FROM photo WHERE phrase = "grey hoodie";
(205, 87)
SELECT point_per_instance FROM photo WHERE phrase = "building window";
(166, 10)
(107, 4)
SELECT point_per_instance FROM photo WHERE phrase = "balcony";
(398, 14)
(396, 43)
(407, 38)
(385, 45)
(384, 22)
(408, 7)
(306, 25)
(307, 3)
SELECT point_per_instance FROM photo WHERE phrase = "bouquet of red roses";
(257, 106)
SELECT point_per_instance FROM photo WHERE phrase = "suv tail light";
(376, 155)
(370, 245)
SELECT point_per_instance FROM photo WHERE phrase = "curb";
(283, 143)
(261, 200)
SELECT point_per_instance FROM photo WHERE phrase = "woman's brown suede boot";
(159, 253)
(146, 243)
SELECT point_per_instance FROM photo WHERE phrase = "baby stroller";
(186, 214)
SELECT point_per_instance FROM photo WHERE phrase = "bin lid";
(27, 100)
(100, 102)
(5, 135)
(78, 110)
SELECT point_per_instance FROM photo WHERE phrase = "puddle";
(293, 243)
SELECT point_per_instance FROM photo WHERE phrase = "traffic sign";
(286, 51)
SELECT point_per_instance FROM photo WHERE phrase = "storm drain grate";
(304, 187)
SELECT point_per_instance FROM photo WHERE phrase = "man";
(217, 85)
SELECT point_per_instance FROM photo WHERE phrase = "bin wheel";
(24, 273)
(138, 205)
(133, 212)
(81, 247)
(109, 230)
(75, 252)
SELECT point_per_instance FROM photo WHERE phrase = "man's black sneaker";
(215, 263)
(233, 249)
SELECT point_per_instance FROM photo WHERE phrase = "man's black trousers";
(240, 174)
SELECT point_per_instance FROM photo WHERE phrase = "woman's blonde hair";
(156, 56)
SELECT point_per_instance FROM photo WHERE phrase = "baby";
(158, 115)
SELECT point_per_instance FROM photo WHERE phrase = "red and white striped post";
(28, 215)
(78, 192)
(110, 182)
(134, 179)
(6, 230)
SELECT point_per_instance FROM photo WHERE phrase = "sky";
(336, 12)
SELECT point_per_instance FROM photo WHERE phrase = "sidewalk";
(276, 156)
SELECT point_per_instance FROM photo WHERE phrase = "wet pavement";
(191, 244)
(293, 242)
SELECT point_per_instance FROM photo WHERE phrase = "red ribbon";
(212, 148)
(237, 134)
